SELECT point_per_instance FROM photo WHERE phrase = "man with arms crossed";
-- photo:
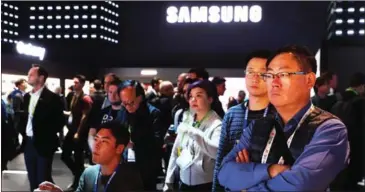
(238, 117)
(111, 173)
(302, 148)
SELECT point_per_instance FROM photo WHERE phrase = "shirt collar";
(37, 92)
(297, 117)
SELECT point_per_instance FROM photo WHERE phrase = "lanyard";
(288, 142)
(110, 179)
(245, 122)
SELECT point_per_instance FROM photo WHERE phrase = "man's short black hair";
(132, 83)
(155, 81)
(200, 73)
(189, 81)
(97, 84)
(81, 78)
(41, 71)
(262, 54)
(357, 79)
(302, 54)
(19, 82)
(116, 82)
(321, 81)
(328, 75)
(119, 131)
(218, 80)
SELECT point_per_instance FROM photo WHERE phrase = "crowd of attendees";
(278, 139)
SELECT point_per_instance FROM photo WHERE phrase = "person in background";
(179, 99)
(108, 78)
(301, 147)
(240, 98)
(59, 92)
(180, 83)
(220, 84)
(44, 120)
(91, 88)
(8, 138)
(332, 79)
(17, 103)
(107, 114)
(144, 124)
(69, 97)
(111, 173)
(196, 145)
(154, 91)
(240, 116)
(198, 73)
(351, 110)
(321, 99)
(75, 140)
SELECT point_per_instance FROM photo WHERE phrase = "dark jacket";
(47, 121)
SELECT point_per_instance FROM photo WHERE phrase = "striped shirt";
(232, 128)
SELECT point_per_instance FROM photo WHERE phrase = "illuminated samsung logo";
(214, 14)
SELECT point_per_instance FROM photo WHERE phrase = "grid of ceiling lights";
(351, 22)
(9, 23)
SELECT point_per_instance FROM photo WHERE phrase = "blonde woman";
(196, 145)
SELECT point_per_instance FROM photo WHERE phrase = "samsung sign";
(214, 14)
(30, 50)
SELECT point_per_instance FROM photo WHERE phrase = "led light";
(10, 40)
(6, 40)
(117, 32)
(31, 17)
(16, 24)
(101, 17)
(58, 26)
(94, 7)
(361, 31)
(116, 5)
(93, 36)
(31, 36)
(76, 7)
(67, 17)
(15, 41)
(101, 37)
(16, 8)
(338, 32)
(84, 16)
(84, 26)
(102, 8)
(49, 36)
(10, 15)
(58, 17)
(6, 13)
(101, 27)
(58, 36)
(6, 22)
(10, 32)
(40, 36)
(66, 36)
(16, 16)
(40, 26)
(11, 23)
(84, 36)
(361, 20)
(116, 23)
(350, 32)
(76, 17)
(76, 26)
(67, 26)
(362, 9)
(16, 33)
(49, 17)
(41, 8)
(350, 21)
(339, 10)
(49, 27)
(40, 17)
(32, 27)
(109, 38)
(5, 31)
(109, 30)
(93, 26)
(85, 7)
(5, 4)
(148, 72)
(351, 10)
(10, 6)
(75, 36)
(49, 8)
(58, 7)
(67, 7)
(93, 16)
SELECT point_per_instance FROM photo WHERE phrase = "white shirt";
(34, 97)
(195, 150)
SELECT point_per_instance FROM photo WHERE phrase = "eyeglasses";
(130, 104)
(281, 75)
(252, 74)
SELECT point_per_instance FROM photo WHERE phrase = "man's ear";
(311, 80)
(120, 149)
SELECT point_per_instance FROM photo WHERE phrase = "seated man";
(111, 173)
(301, 148)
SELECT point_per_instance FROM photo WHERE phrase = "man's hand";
(276, 169)
(243, 157)
(76, 136)
(48, 186)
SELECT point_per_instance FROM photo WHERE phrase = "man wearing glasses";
(145, 127)
(301, 148)
(240, 116)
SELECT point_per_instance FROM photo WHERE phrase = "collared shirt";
(322, 159)
(34, 97)
(106, 103)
